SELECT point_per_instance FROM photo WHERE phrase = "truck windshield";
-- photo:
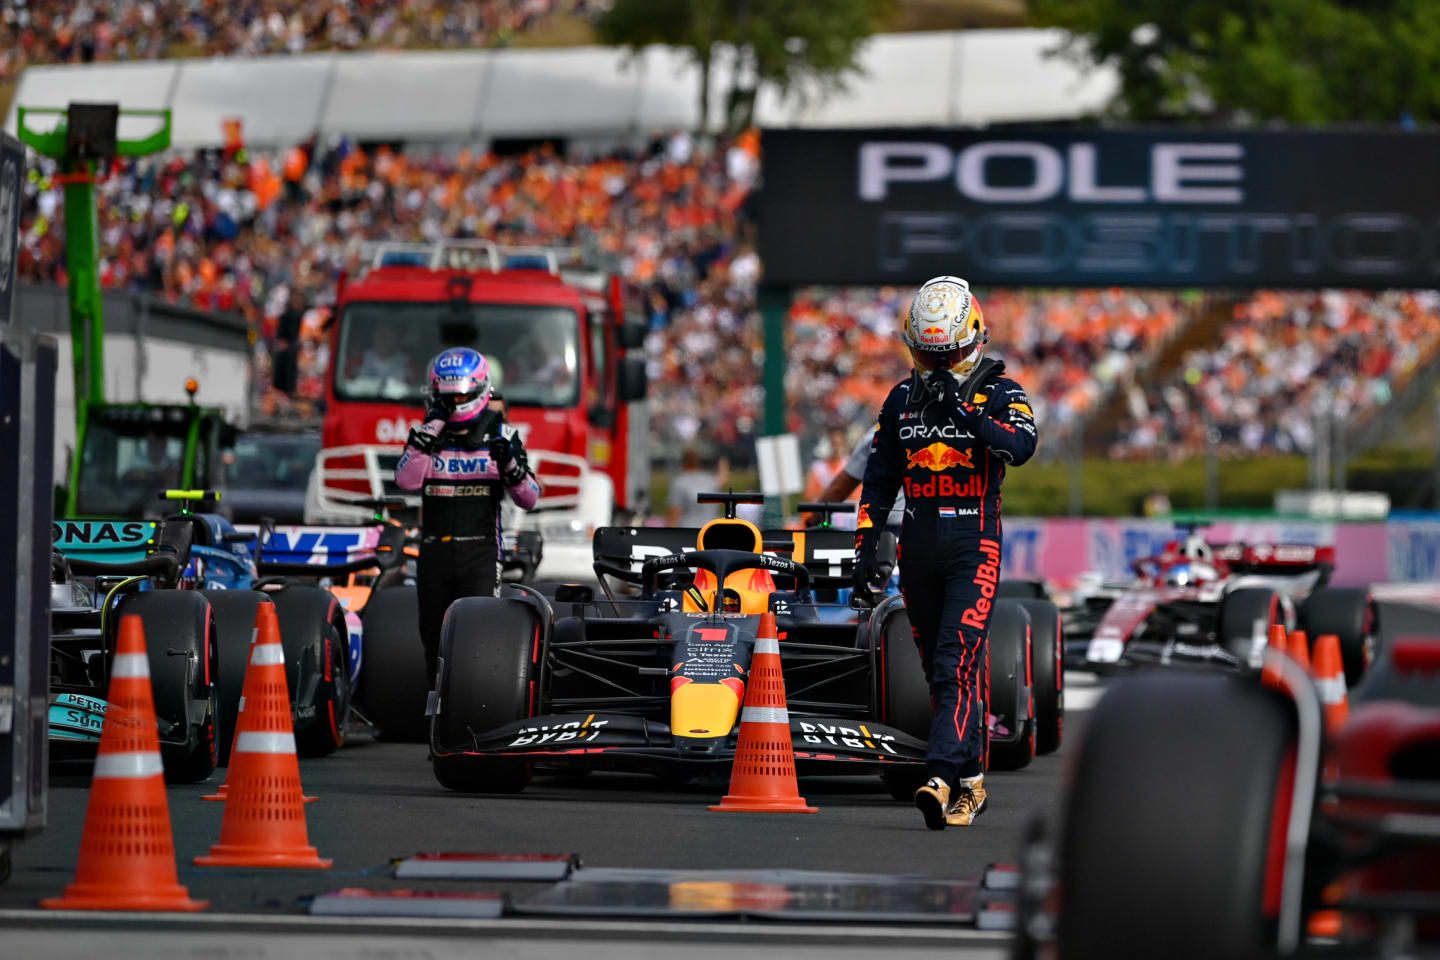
(534, 351)
(124, 468)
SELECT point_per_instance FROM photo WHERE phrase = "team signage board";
(1101, 207)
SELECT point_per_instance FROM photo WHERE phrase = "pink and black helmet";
(460, 382)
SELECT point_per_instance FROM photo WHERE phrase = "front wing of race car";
(823, 746)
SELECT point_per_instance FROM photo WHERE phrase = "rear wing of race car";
(1277, 559)
(829, 555)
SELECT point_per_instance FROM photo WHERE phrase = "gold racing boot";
(932, 800)
(969, 802)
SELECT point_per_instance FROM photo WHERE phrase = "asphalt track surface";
(379, 802)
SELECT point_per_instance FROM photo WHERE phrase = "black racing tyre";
(904, 696)
(316, 666)
(1021, 590)
(1047, 674)
(1168, 825)
(1009, 697)
(1246, 616)
(488, 676)
(904, 688)
(393, 687)
(234, 629)
(180, 639)
(1349, 613)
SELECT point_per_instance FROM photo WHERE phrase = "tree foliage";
(1299, 61)
(801, 49)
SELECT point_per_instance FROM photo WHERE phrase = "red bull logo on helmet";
(940, 456)
(934, 335)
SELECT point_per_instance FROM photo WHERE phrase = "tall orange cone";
(127, 852)
(1269, 677)
(762, 779)
(1300, 648)
(223, 790)
(264, 822)
(1330, 679)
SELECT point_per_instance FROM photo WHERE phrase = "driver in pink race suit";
(464, 458)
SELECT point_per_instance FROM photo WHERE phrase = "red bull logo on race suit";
(986, 577)
(940, 456)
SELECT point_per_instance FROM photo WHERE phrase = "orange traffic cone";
(264, 823)
(762, 779)
(223, 790)
(127, 852)
(1330, 679)
(1300, 648)
(1269, 677)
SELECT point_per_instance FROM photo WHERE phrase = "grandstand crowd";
(83, 31)
(268, 234)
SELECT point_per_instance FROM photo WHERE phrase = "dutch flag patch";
(947, 511)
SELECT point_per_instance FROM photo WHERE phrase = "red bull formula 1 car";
(653, 681)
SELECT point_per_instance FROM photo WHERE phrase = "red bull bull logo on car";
(940, 456)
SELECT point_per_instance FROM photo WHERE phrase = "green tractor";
(128, 454)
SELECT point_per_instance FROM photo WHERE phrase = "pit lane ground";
(379, 802)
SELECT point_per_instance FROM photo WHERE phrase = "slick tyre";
(1245, 618)
(393, 686)
(904, 696)
(179, 637)
(1349, 613)
(234, 629)
(1047, 674)
(1021, 590)
(1010, 698)
(1168, 829)
(489, 649)
(316, 667)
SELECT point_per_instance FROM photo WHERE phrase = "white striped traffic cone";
(264, 823)
(127, 852)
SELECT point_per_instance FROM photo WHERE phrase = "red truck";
(563, 345)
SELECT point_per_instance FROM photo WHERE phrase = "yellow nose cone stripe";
(703, 710)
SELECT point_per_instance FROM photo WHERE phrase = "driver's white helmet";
(945, 321)
(1195, 548)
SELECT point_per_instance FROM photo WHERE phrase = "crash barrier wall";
(151, 347)
(973, 77)
(1396, 551)
(27, 404)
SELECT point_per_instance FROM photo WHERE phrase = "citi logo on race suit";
(939, 456)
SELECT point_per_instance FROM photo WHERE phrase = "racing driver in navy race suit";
(464, 458)
(946, 435)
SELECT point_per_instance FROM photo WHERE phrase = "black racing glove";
(426, 443)
(862, 592)
(510, 459)
(436, 411)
